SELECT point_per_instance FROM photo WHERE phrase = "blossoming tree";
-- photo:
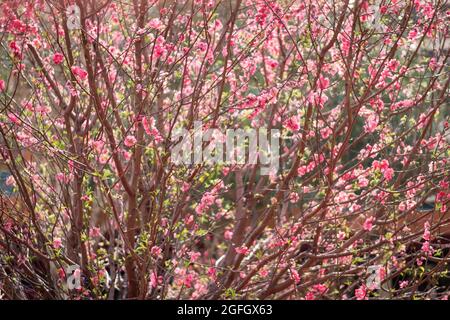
(91, 98)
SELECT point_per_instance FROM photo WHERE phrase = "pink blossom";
(383, 166)
(295, 276)
(310, 296)
(388, 174)
(371, 123)
(155, 251)
(194, 256)
(361, 293)
(130, 141)
(185, 187)
(189, 219)
(79, 72)
(8, 225)
(58, 58)
(202, 46)
(402, 206)
(57, 243)
(426, 248)
(412, 34)
(155, 279)
(377, 104)
(2, 85)
(426, 232)
(368, 223)
(63, 178)
(18, 26)
(272, 63)
(320, 288)
(212, 272)
(302, 170)
(294, 197)
(242, 250)
(104, 158)
(263, 273)
(341, 235)
(94, 232)
(323, 83)
(149, 128)
(292, 124)
(393, 65)
(155, 23)
(325, 132)
(362, 182)
(188, 279)
(206, 202)
(433, 64)
(228, 234)
(61, 273)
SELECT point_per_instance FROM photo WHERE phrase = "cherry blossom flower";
(361, 293)
(155, 23)
(130, 141)
(57, 243)
(79, 72)
(58, 58)
(94, 232)
(292, 124)
(368, 223)
(325, 132)
(294, 197)
(295, 276)
(323, 83)
(242, 250)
